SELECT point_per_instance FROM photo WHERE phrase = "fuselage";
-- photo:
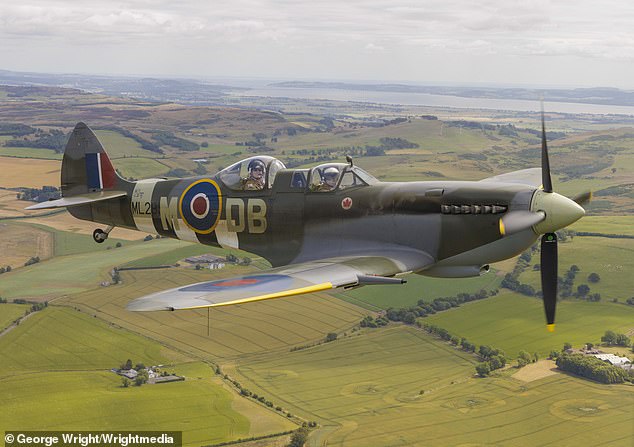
(454, 222)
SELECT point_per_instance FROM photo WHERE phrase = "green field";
(68, 243)
(64, 339)
(97, 401)
(513, 322)
(365, 391)
(30, 152)
(611, 259)
(417, 288)
(119, 146)
(55, 375)
(83, 271)
(10, 312)
(605, 224)
(172, 256)
(140, 168)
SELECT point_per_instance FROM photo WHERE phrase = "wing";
(287, 281)
(531, 177)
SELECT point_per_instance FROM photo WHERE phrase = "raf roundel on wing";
(200, 206)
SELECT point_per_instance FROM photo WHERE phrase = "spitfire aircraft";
(331, 226)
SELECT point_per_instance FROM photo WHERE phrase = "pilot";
(255, 180)
(328, 179)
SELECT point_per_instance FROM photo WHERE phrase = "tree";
(125, 382)
(128, 364)
(523, 359)
(583, 290)
(497, 362)
(484, 351)
(595, 297)
(609, 338)
(118, 245)
(594, 277)
(141, 378)
(483, 369)
(299, 437)
(409, 318)
(567, 346)
(332, 336)
(622, 340)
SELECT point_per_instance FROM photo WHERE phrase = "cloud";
(346, 34)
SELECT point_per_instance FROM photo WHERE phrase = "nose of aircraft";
(560, 211)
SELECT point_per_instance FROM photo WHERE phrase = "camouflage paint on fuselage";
(286, 226)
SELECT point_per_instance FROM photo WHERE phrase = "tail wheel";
(99, 235)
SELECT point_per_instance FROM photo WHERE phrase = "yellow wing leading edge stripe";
(269, 296)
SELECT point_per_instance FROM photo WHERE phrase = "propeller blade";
(583, 198)
(546, 180)
(516, 221)
(549, 277)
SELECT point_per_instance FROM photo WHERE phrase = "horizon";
(269, 79)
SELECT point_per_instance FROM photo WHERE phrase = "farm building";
(129, 373)
(613, 359)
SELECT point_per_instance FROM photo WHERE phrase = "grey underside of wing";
(277, 283)
(80, 199)
(531, 177)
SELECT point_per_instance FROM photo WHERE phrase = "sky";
(493, 42)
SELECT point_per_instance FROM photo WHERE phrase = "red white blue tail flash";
(99, 171)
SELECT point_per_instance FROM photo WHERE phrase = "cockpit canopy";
(251, 174)
(337, 176)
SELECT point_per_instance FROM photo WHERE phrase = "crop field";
(18, 243)
(10, 312)
(366, 391)
(418, 287)
(65, 383)
(268, 326)
(29, 173)
(513, 322)
(58, 219)
(79, 272)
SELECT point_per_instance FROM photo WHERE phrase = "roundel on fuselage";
(200, 206)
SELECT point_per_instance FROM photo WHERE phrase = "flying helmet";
(330, 173)
(256, 163)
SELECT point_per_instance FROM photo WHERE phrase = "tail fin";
(87, 174)
(86, 166)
